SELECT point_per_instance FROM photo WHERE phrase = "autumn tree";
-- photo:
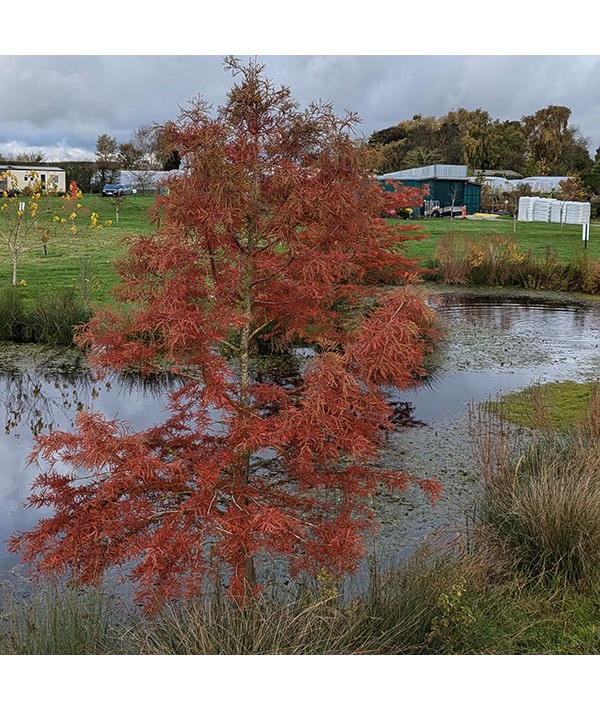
(555, 148)
(272, 236)
(19, 218)
(573, 189)
(32, 220)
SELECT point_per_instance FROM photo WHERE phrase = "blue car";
(116, 190)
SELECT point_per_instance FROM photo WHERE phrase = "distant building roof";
(537, 183)
(429, 172)
(30, 167)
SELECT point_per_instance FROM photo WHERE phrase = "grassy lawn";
(62, 265)
(535, 236)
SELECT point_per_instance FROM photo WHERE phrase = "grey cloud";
(62, 103)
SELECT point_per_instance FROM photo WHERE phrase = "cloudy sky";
(386, 65)
(81, 97)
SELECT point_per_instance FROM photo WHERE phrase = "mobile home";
(51, 177)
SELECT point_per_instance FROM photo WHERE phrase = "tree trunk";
(244, 363)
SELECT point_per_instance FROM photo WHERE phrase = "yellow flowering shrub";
(29, 217)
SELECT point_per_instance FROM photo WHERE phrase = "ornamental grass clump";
(55, 316)
(452, 257)
(423, 607)
(12, 314)
(540, 506)
(492, 260)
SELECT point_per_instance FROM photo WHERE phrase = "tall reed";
(12, 314)
(55, 315)
(540, 509)
(52, 620)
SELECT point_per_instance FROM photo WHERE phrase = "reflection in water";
(403, 415)
(498, 345)
(34, 401)
(42, 391)
(37, 402)
(577, 322)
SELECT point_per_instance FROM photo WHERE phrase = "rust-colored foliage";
(272, 233)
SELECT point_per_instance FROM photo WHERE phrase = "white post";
(585, 234)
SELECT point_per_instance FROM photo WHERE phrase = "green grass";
(541, 492)
(557, 406)
(513, 618)
(89, 254)
(529, 236)
(69, 255)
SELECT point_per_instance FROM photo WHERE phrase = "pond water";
(493, 344)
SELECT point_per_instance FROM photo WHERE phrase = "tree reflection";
(39, 401)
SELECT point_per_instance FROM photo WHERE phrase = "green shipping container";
(446, 192)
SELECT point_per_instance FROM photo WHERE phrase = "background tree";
(144, 182)
(410, 144)
(449, 138)
(148, 150)
(272, 237)
(573, 189)
(147, 141)
(475, 136)
(22, 223)
(419, 157)
(24, 158)
(591, 180)
(543, 143)
(575, 156)
(130, 157)
(455, 193)
(506, 147)
(388, 157)
(82, 172)
(107, 153)
(117, 202)
(553, 146)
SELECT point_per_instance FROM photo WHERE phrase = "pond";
(493, 344)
